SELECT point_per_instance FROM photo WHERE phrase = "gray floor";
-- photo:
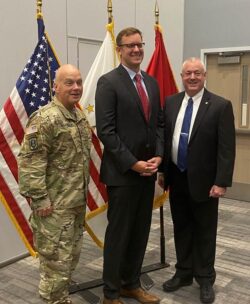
(18, 281)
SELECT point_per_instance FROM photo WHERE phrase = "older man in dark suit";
(198, 167)
(129, 124)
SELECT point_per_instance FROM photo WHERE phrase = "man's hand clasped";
(147, 168)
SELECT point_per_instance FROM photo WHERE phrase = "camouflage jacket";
(53, 163)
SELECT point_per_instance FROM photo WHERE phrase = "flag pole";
(110, 10)
(39, 15)
(39, 4)
(110, 27)
(145, 279)
(157, 13)
(162, 235)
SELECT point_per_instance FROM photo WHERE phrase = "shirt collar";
(197, 96)
(131, 72)
(67, 114)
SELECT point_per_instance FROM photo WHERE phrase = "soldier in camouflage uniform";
(54, 174)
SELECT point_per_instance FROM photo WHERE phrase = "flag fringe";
(93, 236)
(91, 215)
(160, 200)
(96, 212)
(159, 28)
(111, 29)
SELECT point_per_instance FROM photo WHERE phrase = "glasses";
(196, 74)
(133, 45)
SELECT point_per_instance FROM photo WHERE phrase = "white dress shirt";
(178, 125)
(132, 76)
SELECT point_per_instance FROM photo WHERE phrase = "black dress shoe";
(207, 293)
(175, 283)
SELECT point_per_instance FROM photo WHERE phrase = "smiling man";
(129, 124)
(53, 173)
(198, 168)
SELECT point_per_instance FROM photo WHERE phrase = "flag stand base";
(83, 288)
(146, 281)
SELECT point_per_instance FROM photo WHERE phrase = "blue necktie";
(183, 141)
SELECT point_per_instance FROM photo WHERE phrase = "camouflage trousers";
(58, 240)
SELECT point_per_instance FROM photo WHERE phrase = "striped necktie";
(143, 95)
(183, 141)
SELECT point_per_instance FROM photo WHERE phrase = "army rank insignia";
(33, 143)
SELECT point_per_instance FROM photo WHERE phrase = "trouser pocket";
(46, 233)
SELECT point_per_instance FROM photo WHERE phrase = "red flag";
(159, 67)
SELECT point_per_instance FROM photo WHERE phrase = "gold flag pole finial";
(157, 14)
(39, 8)
(109, 9)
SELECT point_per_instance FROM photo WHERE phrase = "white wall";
(18, 32)
(215, 24)
(82, 19)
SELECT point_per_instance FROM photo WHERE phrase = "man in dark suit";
(198, 167)
(129, 124)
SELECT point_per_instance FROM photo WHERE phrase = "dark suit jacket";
(211, 148)
(121, 126)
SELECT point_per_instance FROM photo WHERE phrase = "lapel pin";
(206, 102)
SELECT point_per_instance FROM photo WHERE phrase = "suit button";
(147, 146)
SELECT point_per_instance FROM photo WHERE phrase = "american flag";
(32, 91)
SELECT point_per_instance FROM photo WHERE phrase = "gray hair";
(193, 59)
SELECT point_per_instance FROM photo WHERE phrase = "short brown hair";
(127, 32)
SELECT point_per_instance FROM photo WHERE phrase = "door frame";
(239, 191)
(205, 52)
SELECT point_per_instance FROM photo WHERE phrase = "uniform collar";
(72, 115)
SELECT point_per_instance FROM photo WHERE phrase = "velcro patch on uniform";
(33, 143)
(31, 129)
